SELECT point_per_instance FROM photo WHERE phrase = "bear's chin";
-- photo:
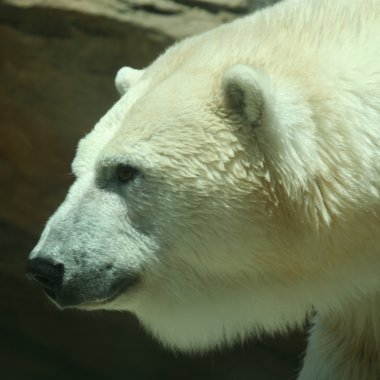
(202, 326)
(199, 321)
(190, 336)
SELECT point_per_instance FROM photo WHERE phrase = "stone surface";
(58, 59)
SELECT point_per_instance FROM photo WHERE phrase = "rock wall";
(58, 59)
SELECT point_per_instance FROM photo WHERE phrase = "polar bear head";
(202, 201)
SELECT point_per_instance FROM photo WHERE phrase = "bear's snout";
(82, 284)
(46, 273)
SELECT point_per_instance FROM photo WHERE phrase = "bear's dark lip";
(89, 303)
(102, 301)
(120, 288)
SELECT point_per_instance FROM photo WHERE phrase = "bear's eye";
(125, 173)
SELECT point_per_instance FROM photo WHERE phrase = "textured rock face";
(58, 59)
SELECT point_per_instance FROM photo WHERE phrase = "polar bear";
(234, 189)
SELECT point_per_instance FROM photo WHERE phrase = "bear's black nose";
(46, 273)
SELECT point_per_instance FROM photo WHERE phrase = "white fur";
(252, 86)
(126, 77)
(248, 218)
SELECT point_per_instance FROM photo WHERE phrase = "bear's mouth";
(74, 297)
(102, 301)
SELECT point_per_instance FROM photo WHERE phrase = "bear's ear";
(244, 90)
(126, 77)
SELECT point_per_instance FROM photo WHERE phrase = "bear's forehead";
(174, 108)
(177, 128)
(163, 111)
